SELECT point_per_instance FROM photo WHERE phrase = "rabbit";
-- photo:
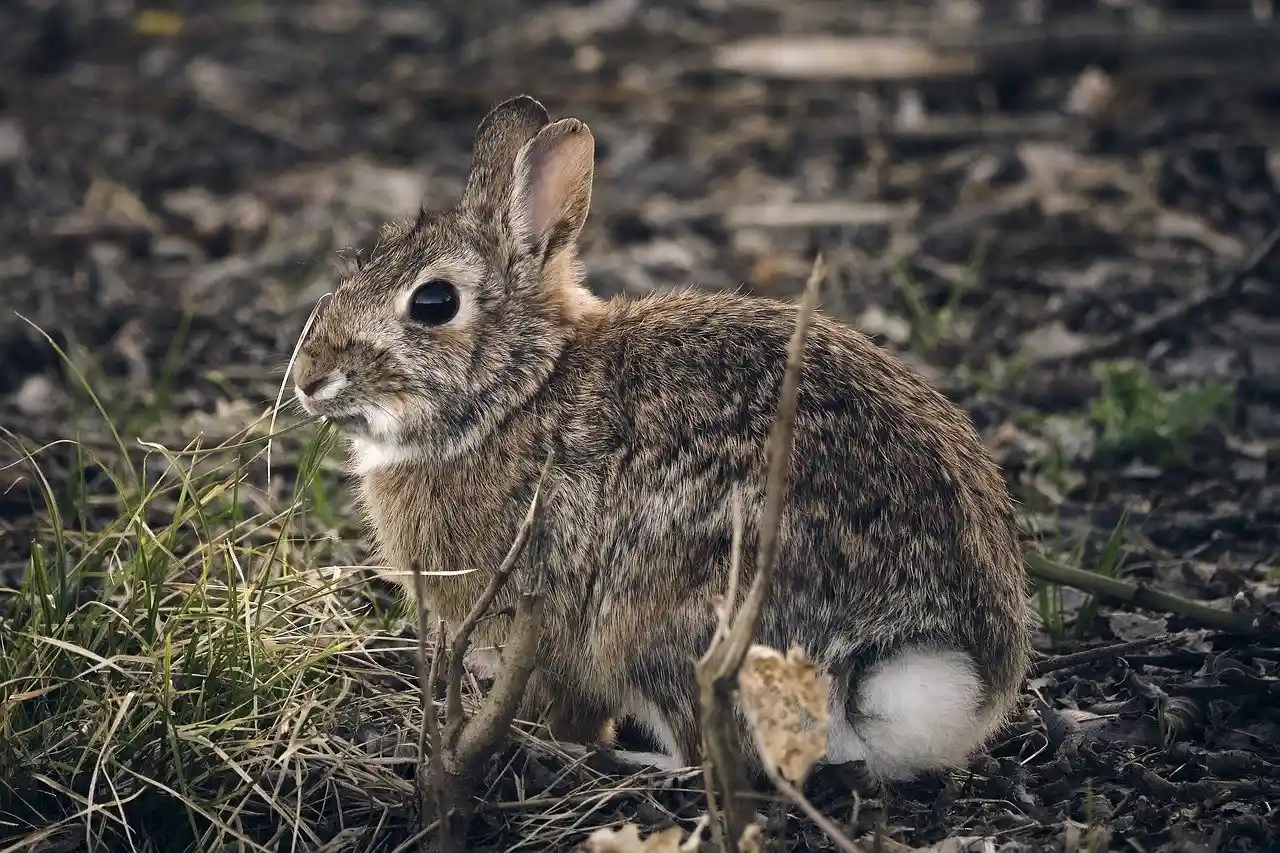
(466, 347)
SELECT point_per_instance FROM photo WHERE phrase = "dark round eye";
(434, 303)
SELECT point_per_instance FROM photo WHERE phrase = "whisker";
(284, 379)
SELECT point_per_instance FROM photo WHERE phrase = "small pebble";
(38, 396)
(13, 142)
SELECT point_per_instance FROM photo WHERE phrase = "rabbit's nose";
(310, 386)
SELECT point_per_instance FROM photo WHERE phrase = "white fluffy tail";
(918, 710)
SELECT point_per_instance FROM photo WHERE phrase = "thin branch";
(462, 638)
(838, 838)
(727, 604)
(775, 489)
(496, 713)
(426, 690)
(730, 598)
(1159, 324)
(1135, 595)
(718, 668)
(1058, 662)
(429, 734)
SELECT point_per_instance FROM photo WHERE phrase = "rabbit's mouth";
(352, 422)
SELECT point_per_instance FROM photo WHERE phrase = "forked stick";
(718, 668)
(462, 637)
(458, 752)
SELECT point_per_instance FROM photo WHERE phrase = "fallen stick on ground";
(1137, 595)
(1057, 662)
(1179, 46)
(1155, 326)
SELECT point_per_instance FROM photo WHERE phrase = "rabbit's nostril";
(310, 387)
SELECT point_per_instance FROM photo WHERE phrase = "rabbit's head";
(458, 316)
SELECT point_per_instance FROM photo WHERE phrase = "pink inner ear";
(551, 179)
(556, 185)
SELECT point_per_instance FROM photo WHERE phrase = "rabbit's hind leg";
(674, 730)
(571, 717)
(917, 710)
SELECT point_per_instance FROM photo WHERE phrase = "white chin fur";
(376, 453)
(918, 710)
(380, 447)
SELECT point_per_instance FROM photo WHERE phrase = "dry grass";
(185, 668)
(188, 667)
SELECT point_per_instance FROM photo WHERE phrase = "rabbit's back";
(898, 530)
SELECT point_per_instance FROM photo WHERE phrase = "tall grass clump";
(183, 668)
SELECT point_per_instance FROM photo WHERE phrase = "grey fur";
(898, 531)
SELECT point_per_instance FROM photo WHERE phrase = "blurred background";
(1005, 191)
(1052, 207)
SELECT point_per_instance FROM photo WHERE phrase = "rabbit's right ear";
(499, 138)
(551, 188)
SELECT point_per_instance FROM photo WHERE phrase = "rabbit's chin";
(375, 453)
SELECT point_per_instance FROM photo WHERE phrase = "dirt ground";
(175, 187)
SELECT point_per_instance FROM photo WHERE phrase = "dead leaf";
(627, 839)
(785, 700)
(1091, 95)
(1134, 626)
(1172, 224)
(1054, 340)
(158, 22)
(106, 198)
(752, 840)
(875, 321)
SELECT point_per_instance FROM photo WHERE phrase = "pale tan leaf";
(752, 840)
(785, 700)
(627, 840)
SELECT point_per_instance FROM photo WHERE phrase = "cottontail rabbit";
(467, 346)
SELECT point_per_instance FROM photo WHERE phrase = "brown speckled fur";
(898, 530)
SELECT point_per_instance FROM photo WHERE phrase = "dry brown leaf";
(785, 700)
(752, 840)
(627, 840)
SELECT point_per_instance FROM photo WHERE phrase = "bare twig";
(491, 722)
(792, 793)
(458, 751)
(775, 489)
(730, 598)
(1159, 324)
(1053, 664)
(727, 603)
(429, 735)
(1138, 595)
(718, 668)
(426, 686)
(462, 638)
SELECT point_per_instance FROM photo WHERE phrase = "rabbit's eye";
(434, 303)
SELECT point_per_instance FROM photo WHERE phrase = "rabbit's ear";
(499, 138)
(551, 188)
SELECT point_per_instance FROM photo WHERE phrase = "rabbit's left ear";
(499, 139)
(551, 188)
